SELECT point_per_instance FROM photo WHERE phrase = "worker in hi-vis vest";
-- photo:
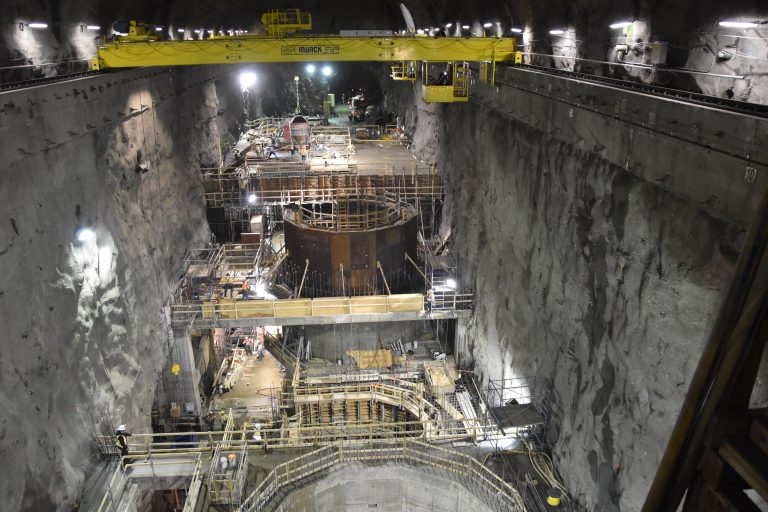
(121, 440)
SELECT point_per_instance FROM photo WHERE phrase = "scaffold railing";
(291, 187)
(499, 495)
(153, 465)
(287, 308)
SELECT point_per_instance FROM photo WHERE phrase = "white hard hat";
(120, 428)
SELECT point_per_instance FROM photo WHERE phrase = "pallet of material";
(438, 380)
(376, 358)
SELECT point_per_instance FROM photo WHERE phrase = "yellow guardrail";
(498, 494)
(291, 308)
(123, 473)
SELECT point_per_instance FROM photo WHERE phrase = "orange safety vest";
(246, 285)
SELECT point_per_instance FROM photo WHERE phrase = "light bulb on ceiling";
(727, 24)
(93, 27)
(37, 24)
(85, 235)
(251, 198)
(247, 80)
(487, 25)
(516, 30)
(557, 32)
(620, 24)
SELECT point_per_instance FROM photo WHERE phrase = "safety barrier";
(497, 494)
(292, 186)
(153, 465)
(292, 308)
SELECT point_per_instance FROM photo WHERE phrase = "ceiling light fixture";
(85, 235)
(180, 30)
(93, 27)
(620, 24)
(252, 199)
(247, 79)
(516, 30)
(37, 24)
(448, 25)
(487, 25)
(465, 27)
(727, 24)
(557, 32)
(310, 68)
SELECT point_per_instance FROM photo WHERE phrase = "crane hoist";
(444, 60)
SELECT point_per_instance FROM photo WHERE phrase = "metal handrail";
(120, 477)
(495, 492)
(289, 308)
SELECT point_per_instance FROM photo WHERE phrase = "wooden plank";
(758, 434)
(325, 306)
(410, 302)
(293, 308)
(369, 304)
(749, 462)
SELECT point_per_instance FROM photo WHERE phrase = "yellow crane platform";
(250, 49)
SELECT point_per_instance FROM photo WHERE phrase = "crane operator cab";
(444, 82)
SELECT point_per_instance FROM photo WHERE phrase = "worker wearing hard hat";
(121, 441)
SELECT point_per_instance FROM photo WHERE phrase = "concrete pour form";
(384, 489)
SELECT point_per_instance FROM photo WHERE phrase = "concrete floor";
(258, 385)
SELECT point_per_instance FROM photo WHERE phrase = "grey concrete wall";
(386, 489)
(597, 238)
(331, 342)
(86, 325)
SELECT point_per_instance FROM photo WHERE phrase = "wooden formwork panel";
(406, 303)
(368, 304)
(330, 306)
(293, 308)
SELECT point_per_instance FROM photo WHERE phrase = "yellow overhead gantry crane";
(453, 52)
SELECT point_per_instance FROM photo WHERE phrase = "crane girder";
(239, 50)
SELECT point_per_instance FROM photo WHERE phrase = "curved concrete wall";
(384, 489)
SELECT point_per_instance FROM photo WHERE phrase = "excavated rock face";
(85, 323)
(584, 275)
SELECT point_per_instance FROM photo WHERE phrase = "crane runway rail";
(32, 82)
(740, 107)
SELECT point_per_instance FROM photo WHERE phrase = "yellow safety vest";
(120, 441)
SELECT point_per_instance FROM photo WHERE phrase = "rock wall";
(586, 276)
(86, 323)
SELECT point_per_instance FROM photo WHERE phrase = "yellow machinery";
(281, 23)
(138, 31)
(444, 82)
(279, 46)
(404, 71)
